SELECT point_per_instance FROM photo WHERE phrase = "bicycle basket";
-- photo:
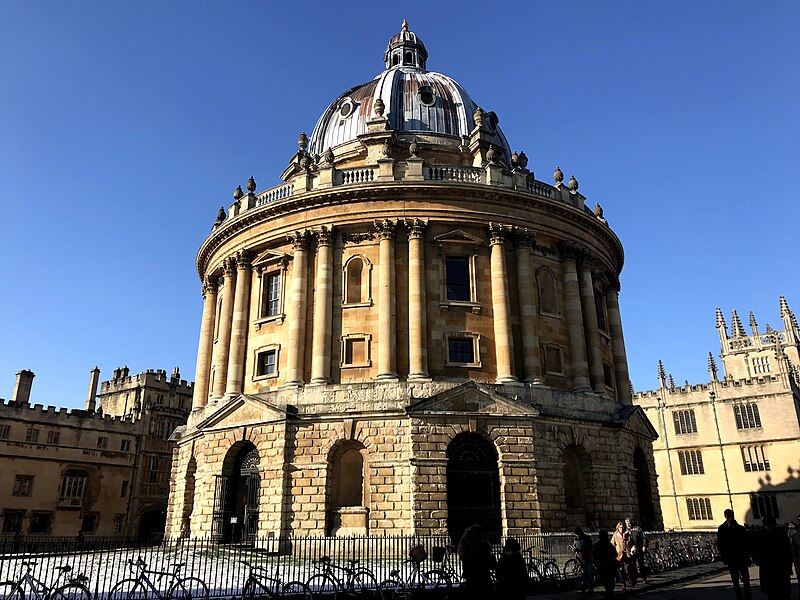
(418, 554)
(438, 553)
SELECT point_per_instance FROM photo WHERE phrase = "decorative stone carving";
(498, 233)
(385, 229)
(243, 260)
(386, 150)
(229, 266)
(357, 238)
(379, 107)
(302, 142)
(413, 148)
(558, 175)
(210, 285)
(324, 236)
(514, 159)
(238, 193)
(522, 161)
(251, 185)
(305, 162)
(299, 240)
(416, 228)
(478, 117)
(328, 156)
(570, 251)
(220, 217)
(524, 238)
(491, 155)
(573, 183)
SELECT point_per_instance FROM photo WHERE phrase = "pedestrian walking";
(733, 544)
(618, 540)
(477, 563)
(512, 572)
(637, 546)
(604, 557)
(772, 552)
(583, 552)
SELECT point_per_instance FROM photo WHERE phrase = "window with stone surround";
(761, 365)
(355, 350)
(463, 349)
(754, 459)
(266, 363)
(553, 359)
(5, 432)
(600, 308)
(764, 505)
(691, 462)
(73, 485)
(270, 295)
(699, 509)
(12, 520)
(53, 437)
(457, 278)
(458, 256)
(548, 297)
(608, 376)
(23, 484)
(89, 522)
(32, 435)
(747, 416)
(124, 445)
(684, 421)
(102, 442)
(40, 523)
(356, 282)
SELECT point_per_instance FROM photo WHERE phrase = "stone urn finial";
(220, 216)
(379, 107)
(413, 148)
(522, 161)
(305, 162)
(328, 156)
(478, 117)
(598, 210)
(386, 150)
(238, 193)
(514, 159)
(491, 155)
(251, 185)
(302, 142)
(558, 175)
(573, 183)
(405, 25)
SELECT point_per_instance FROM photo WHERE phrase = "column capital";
(498, 233)
(385, 228)
(416, 228)
(243, 259)
(210, 285)
(524, 238)
(229, 266)
(324, 236)
(613, 281)
(571, 251)
(299, 239)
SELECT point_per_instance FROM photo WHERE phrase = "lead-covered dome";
(415, 100)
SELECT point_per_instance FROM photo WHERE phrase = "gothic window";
(747, 416)
(761, 365)
(699, 509)
(22, 485)
(73, 485)
(546, 284)
(267, 362)
(463, 349)
(356, 350)
(684, 421)
(764, 505)
(357, 280)
(270, 295)
(457, 278)
(754, 459)
(691, 462)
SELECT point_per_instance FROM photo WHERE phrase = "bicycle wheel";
(296, 590)
(364, 585)
(393, 589)
(10, 590)
(551, 574)
(572, 569)
(128, 589)
(71, 591)
(322, 586)
(188, 588)
(437, 580)
(256, 589)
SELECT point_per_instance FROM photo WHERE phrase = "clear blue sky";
(125, 126)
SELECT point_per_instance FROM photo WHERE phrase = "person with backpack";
(512, 572)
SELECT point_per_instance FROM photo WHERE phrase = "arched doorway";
(151, 525)
(644, 490)
(576, 507)
(236, 494)
(473, 487)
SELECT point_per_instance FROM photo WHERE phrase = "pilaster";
(387, 326)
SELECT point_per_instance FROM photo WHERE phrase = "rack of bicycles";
(385, 568)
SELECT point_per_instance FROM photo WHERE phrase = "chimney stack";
(22, 387)
(94, 379)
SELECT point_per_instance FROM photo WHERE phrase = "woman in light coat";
(618, 540)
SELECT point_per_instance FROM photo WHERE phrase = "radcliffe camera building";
(732, 442)
(410, 334)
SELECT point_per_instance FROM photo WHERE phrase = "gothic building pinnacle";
(737, 330)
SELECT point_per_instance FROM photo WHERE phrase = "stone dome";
(415, 100)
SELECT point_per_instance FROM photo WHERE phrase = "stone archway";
(576, 506)
(473, 486)
(236, 494)
(644, 490)
(347, 502)
(152, 524)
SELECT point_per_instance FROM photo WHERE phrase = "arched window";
(546, 282)
(73, 486)
(351, 478)
(356, 281)
(395, 60)
(408, 59)
(347, 490)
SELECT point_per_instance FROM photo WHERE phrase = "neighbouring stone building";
(732, 442)
(409, 335)
(104, 469)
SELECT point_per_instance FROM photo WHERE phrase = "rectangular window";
(266, 363)
(747, 416)
(271, 295)
(53, 437)
(23, 484)
(355, 351)
(32, 435)
(699, 509)
(73, 485)
(125, 445)
(457, 278)
(153, 475)
(119, 520)
(608, 376)
(461, 350)
(123, 492)
(5, 431)
(754, 459)
(553, 360)
(40, 522)
(684, 421)
(764, 505)
(12, 520)
(761, 365)
(102, 442)
(89, 523)
(691, 462)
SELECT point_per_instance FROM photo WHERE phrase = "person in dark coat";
(734, 548)
(772, 552)
(512, 572)
(477, 563)
(583, 552)
(604, 556)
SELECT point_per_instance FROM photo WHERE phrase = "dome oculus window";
(346, 108)
(426, 96)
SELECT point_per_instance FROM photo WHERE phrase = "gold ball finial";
(405, 25)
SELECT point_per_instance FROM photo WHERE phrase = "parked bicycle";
(542, 570)
(402, 587)
(74, 588)
(142, 587)
(351, 582)
(260, 584)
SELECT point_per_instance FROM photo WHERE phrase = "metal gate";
(235, 513)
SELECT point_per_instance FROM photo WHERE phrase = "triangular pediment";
(269, 257)
(242, 410)
(472, 398)
(633, 418)
(457, 236)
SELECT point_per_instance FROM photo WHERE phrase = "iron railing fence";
(225, 567)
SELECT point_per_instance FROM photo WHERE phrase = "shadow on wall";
(778, 499)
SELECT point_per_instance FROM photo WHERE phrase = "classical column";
(589, 310)
(527, 310)
(503, 342)
(323, 309)
(572, 301)
(206, 345)
(298, 301)
(621, 376)
(223, 342)
(240, 321)
(417, 313)
(387, 330)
